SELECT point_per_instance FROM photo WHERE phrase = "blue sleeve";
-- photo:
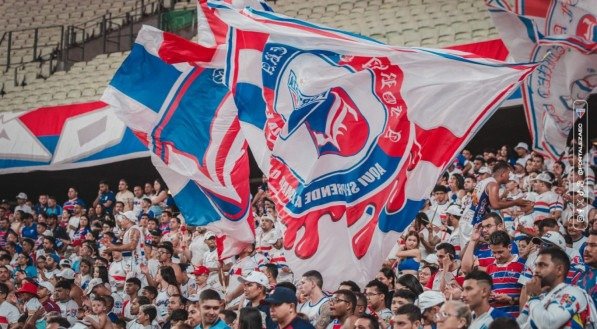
(111, 196)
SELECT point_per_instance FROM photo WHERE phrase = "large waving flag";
(358, 132)
(563, 36)
(211, 30)
(188, 119)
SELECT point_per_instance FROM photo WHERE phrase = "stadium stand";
(413, 23)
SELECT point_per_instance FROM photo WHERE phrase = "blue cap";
(282, 295)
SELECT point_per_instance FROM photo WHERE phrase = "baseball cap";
(268, 217)
(208, 235)
(47, 285)
(431, 259)
(544, 177)
(201, 270)
(66, 273)
(281, 295)
(512, 177)
(484, 170)
(429, 299)
(22, 195)
(255, 277)
(454, 210)
(130, 215)
(552, 237)
(92, 284)
(65, 262)
(522, 145)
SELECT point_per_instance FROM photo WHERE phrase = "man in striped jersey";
(505, 271)
(476, 293)
(548, 203)
(477, 253)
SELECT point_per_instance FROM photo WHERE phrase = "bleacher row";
(427, 23)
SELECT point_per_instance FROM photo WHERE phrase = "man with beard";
(209, 304)
(553, 303)
(342, 306)
(588, 280)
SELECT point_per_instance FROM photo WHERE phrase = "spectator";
(588, 279)
(453, 315)
(548, 203)
(283, 303)
(73, 199)
(342, 307)
(407, 316)
(505, 272)
(448, 266)
(504, 323)
(556, 306)
(476, 294)
(376, 293)
(105, 197)
(209, 303)
(255, 291)
(367, 321)
(402, 297)
(317, 307)
(124, 195)
(430, 302)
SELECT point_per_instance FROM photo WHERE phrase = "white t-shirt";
(125, 197)
(10, 312)
(69, 310)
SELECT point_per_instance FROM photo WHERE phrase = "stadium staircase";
(58, 52)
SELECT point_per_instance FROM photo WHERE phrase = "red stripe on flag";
(48, 121)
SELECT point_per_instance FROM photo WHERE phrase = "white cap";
(64, 262)
(454, 210)
(22, 195)
(544, 177)
(484, 170)
(512, 177)
(208, 235)
(431, 259)
(522, 145)
(429, 299)
(255, 277)
(47, 285)
(552, 237)
(48, 232)
(92, 284)
(268, 217)
(130, 215)
(66, 273)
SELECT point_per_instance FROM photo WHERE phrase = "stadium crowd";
(128, 260)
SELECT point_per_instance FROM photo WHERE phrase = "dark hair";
(354, 287)
(100, 299)
(249, 318)
(501, 165)
(149, 310)
(3, 288)
(151, 290)
(315, 276)
(166, 245)
(422, 218)
(459, 181)
(406, 294)
(593, 232)
(167, 273)
(134, 281)
(504, 323)
(480, 276)
(389, 273)
(288, 285)
(372, 319)
(440, 188)
(103, 273)
(109, 301)
(381, 288)
(412, 312)
(229, 316)
(352, 299)
(64, 284)
(496, 217)
(499, 238)
(557, 256)
(272, 269)
(142, 300)
(411, 282)
(163, 186)
(61, 321)
(448, 248)
(547, 222)
(181, 315)
(209, 294)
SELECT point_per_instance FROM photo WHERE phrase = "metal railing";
(38, 41)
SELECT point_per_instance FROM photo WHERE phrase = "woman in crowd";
(410, 255)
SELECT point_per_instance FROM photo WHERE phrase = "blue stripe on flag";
(136, 78)
(198, 210)
(256, 116)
